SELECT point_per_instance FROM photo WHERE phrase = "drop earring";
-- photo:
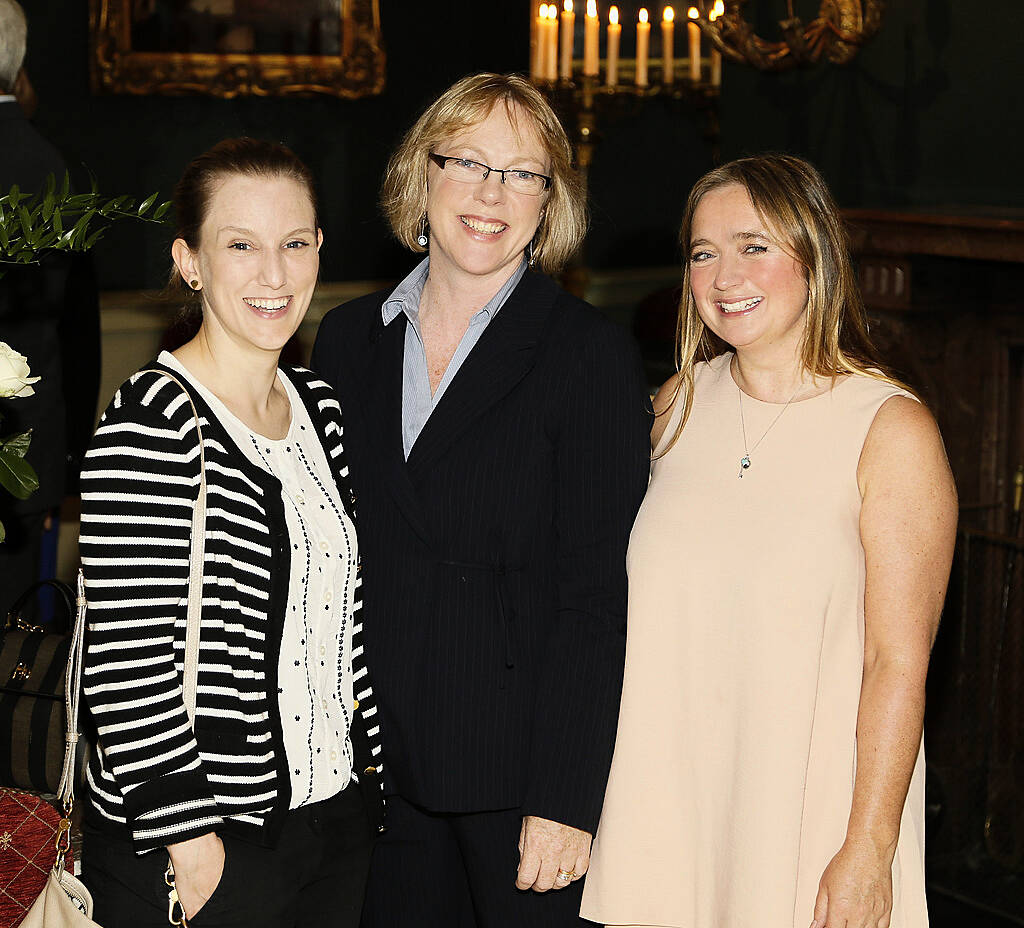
(531, 257)
(422, 240)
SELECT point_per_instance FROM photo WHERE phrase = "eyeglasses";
(473, 172)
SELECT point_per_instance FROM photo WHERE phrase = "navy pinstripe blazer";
(494, 558)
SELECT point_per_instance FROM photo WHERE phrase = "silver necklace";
(747, 450)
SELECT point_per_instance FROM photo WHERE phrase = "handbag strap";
(197, 553)
(72, 695)
(73, 674)
(61, 589)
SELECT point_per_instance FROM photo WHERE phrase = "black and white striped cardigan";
(140, 479)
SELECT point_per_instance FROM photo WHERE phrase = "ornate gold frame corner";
(116, 68)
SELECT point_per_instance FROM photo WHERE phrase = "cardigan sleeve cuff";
(170, 809)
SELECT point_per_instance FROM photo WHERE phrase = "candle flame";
(592, 9)
(613, 16)
(693, 13)
(643, 14)
(719, 8)
(543, 12)
(567, 6)
(669, 14)
(552, 11)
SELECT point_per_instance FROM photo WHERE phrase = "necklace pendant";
(744, 464)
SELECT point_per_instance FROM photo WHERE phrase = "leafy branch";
(16, 475)
(59, 220)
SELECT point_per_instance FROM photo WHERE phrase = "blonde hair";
(794, 202)
(463, 105)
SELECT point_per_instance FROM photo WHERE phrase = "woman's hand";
(198, 867)
(856, 889)
(545, 847)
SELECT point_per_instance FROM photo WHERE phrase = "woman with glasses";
(499, 455)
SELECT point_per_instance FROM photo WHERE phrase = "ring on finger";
(565, 876)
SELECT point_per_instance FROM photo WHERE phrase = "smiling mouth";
(739, 306)
(480, 225)
(266, 307)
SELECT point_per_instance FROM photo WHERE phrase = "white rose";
(14, 373)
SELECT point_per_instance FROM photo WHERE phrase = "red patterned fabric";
(28, 832)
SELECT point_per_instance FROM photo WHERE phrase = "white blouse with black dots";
(315, 670)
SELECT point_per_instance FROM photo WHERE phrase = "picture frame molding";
(117, 68)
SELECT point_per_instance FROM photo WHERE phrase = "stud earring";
(194, 283)
(422, 240)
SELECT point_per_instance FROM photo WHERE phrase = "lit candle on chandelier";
(643, 39)
(551, 44)
(667, 45)
(591, 40)
(568, 30)
(536, 44)
(716, 55)
(614, 34)
(693, 33)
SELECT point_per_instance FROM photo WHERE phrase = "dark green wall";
(925, 116)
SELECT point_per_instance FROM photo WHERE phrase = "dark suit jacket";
(50, 313)
(494, 559)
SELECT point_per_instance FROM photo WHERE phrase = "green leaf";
(3, 533)
(17, 444)
(65, 187)
(162, 209)
(49, 197)
(46, 239)
(93, 239)
(58, 222)
(146, 204)
(81, 230)
(17, 475)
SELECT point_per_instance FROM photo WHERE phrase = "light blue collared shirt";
(417, 403)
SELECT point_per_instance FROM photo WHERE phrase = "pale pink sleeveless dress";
(734, 765)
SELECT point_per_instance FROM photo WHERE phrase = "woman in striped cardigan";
(257, 803)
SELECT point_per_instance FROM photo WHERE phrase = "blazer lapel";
(382, 387)
(500, 359)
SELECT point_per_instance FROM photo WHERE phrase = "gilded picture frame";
(230, 48)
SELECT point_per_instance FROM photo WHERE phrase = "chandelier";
(836, 34)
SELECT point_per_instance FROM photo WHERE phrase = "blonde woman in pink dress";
(787, 571)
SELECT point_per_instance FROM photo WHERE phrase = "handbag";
(64, 902)
(29, 826)
(32, 665)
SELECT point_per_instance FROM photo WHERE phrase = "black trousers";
(444, 870)
(314, 878)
